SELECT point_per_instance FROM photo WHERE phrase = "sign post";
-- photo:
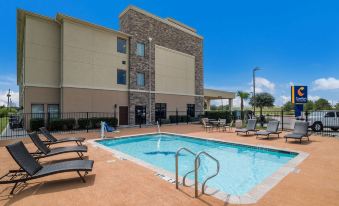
(298, 98)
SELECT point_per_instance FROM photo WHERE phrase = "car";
(319, 120)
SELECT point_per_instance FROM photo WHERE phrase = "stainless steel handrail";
(185, 176)
(196, 165)
(177, 166)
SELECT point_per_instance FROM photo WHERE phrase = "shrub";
(95, 121)
(36, 123)
(219, 115)
(83, 123)
(61, 124)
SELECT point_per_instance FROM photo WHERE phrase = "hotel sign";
(299, 94)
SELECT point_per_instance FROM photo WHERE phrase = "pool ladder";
(195, 170)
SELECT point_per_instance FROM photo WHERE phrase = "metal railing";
(196, 165)
(195, 170)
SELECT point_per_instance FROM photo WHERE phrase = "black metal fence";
(17, 125)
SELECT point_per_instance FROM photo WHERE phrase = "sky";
(294, 42)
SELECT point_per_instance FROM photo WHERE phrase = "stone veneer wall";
(141, 27)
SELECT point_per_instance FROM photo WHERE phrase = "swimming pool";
(242, 167)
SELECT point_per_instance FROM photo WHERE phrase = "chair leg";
(12, 191)
(81, 177)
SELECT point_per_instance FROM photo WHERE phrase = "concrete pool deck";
(115, 181)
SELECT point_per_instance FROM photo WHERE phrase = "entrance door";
(140, 114)
(123, 115)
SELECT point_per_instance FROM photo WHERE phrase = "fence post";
(87, 123)
(282, 120)
(187, 116)
(176, 115)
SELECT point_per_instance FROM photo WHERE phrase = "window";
(140, 49)
(330, 114)
(121, 76)
(160, 111)
(121, 45)
(37, 111)
(337, 114)
(53, 111)
(191, 110)
(141, 79)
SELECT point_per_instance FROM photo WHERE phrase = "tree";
(243, 96)
(288, 106)
(262, 100)
(337, 106)
(322, 104)
(309, 106)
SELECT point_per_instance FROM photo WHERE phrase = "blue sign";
(299, 94)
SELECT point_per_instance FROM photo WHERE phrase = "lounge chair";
(44, 151)
(300, 130)
(31, 169)
(52, 140)
(251, 124)
(272, 128)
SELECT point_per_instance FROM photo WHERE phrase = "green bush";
(61, 124)
(111, 121)
(83, 123)
(37, 123)
(4, 111)
(218, 115)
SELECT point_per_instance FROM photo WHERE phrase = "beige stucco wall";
(174, 72)
(42, 52)
(40, 95)
(174, 102)
(90, 58)
(92, 100)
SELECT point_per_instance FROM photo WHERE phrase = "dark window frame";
(120, 47)
(191, 110)
(144, 77)
(125, 79)
(136, 49)
(160, 111)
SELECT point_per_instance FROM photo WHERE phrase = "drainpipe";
(150, 79)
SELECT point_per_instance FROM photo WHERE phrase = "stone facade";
(141, 27)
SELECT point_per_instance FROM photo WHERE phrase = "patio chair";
(52, 140)
(230, 126)
(251, 124)
(206, 125)
(272, 128)
(44, 151)
(300, 130)
(31, 169)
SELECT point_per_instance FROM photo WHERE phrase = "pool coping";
(251, 197)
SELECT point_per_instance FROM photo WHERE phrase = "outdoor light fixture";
(254, 101)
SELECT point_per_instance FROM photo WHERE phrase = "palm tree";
(243, 96)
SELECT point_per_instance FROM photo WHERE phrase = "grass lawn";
(3, 123)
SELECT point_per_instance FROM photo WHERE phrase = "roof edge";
(174, 23)
(61, 17)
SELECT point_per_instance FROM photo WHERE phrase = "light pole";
(8, 97)
(254, 100)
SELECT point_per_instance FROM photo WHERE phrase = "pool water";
(241, 167)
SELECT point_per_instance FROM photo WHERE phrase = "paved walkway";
(121, 182)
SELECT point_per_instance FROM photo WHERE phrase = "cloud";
(263, 85)
(326, 84)
(285, 98)
(313, 98)
(14, 98)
